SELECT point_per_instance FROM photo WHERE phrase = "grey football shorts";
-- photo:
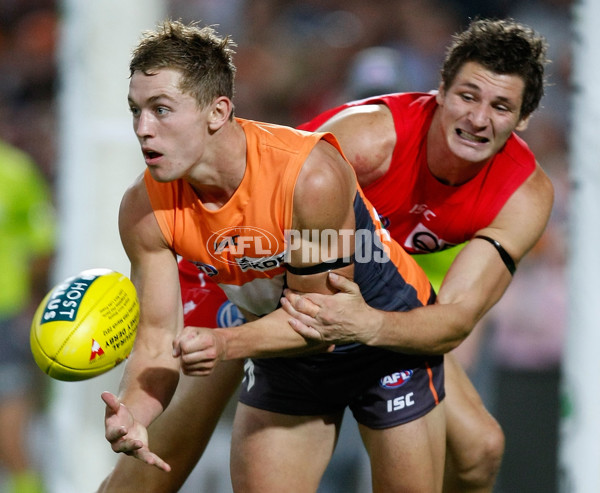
(382, 388)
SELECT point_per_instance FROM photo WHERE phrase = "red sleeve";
(317, 121)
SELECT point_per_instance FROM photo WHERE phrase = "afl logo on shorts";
(229, 315)
(396, 380)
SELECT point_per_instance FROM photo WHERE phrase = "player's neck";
(224, 167)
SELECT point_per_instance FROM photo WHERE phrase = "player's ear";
(523, 124)
(220, 111)
(440, 94)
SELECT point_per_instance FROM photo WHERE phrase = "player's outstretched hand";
(126, 435)
(199, 349)
(339, 318)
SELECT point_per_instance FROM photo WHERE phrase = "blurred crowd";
(27, 223)
(296, 58)
(28, 78)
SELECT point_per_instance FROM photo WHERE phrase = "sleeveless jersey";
(421, 213)
(241, 246)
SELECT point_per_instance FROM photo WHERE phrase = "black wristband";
(504, 255)
(322, 267)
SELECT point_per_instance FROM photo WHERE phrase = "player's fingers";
(126, 446)
(176, 347)
(194, 339)
(111, 401)
(182, 340)
(304, 330)
(290, 308)
(198, 365)
(115, 433)
(301, 304)
(305, 321)
(342, 283)
(152, 459)
(199, 358)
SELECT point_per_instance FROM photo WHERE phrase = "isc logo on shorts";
(400, 402)
(395, 380)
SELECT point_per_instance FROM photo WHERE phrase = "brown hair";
(503, 47)
(204, 59)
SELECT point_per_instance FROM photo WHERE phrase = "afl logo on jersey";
(229, 315)
(395, 380)
(231, 244)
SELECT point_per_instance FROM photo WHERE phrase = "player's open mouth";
(470, 137)
(150, 155)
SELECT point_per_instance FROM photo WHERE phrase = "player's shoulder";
(366, 117)
(367, 136)
(520, 231)
(135, 192)
(135, 210)
(536, 192)
(540, 186)
(326, 185)
(325, 168)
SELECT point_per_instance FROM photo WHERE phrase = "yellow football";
(85, 325)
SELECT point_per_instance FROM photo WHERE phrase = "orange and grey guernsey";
(242, 244)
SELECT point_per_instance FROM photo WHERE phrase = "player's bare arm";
(323, 199)
(521, 222)
(478, 277)
(474, 283)
(367, 136)
(151, 373)
(155, 275)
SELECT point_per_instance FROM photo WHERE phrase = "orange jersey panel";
(242, 245)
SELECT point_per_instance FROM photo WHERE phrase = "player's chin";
(161, 175)
(475, 153)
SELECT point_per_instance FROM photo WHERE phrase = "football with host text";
(85, 325)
